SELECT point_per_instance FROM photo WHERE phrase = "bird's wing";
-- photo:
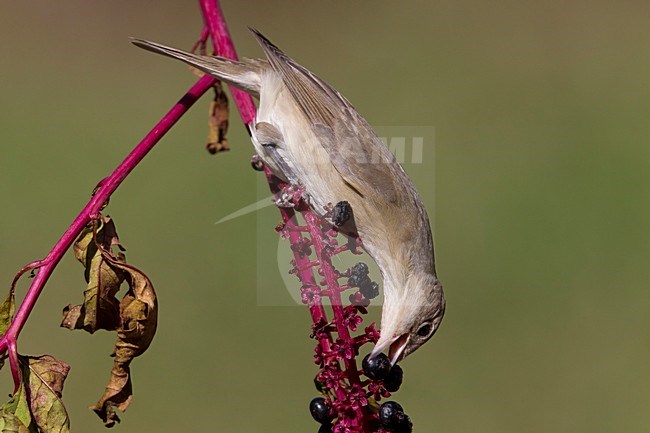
(273, 142)
(244, 75)
(359, 156)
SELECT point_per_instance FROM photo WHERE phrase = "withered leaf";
(217, 117)
(100, 309)
(218, 121)
(37, 407)
(138, 321)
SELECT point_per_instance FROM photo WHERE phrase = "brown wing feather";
(243, 75)
(356, 152)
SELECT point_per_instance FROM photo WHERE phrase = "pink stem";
(218, 30)
(14, 364)
(200, 44)
(223, 46)
(103, 192)
(333, 287)
(305, 273)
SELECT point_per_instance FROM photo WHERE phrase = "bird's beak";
(397, 348)
(397, 345)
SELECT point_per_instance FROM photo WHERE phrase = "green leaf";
(100, 309)
(138, 318)
(16, 414)
(37, 407)
(9, 423)
(7, 312)
(45, 375)
(6, 316)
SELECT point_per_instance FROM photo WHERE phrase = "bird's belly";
(304, 155)
(312, 167)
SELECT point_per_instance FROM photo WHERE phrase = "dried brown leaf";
(138, 318)
(218, 121)
(100, 309)
(218, 116)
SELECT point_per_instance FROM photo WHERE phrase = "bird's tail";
(244, 75)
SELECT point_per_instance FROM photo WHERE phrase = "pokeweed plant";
(350, 393)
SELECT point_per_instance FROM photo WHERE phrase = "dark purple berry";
(391, 415)
(358, 275)
(376, 368)
(360, 268)
(320, 410)
(394, 379)
(369, 289)
(341, 213)
(405, 427)
(325, 428)
(320, 386)
(356, 280)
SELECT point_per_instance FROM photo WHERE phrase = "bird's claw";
(291, 196)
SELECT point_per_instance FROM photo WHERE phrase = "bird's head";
(410, 316)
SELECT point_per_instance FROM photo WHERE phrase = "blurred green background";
(540, 112)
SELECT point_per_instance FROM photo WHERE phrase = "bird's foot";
(291, 196)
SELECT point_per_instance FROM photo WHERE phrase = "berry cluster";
(350, 402)
(359, 278)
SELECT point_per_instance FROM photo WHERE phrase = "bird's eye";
(424, 330)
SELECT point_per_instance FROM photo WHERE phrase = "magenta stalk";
(105, 189)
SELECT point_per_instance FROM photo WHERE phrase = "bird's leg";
(284, 201)
(291, 196)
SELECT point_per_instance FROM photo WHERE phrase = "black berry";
(358, 275)
(405, 427)
(376, 368)
(320, 410)
(392, 416)
(394, 379)
(325, 428)
(360, 268)
(369, 289)
(320, 386)
(357, 280)
(341, 213)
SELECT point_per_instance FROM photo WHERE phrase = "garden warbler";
(309, 135)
